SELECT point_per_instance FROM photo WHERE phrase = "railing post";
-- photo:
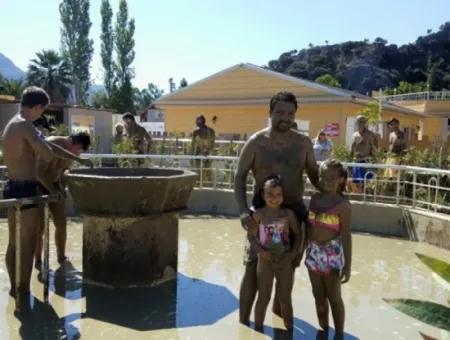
(414, 189)
(215, 178)
(201, 173)
(46, 268)
(397, 198)
(17, 255)
(436, 194)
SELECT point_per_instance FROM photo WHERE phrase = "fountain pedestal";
(130, 223)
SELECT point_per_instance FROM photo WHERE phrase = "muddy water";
(203, 303)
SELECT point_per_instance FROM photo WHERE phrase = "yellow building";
(235, 103)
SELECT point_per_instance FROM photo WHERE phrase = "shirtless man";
(397, 147)
(51, 176)
(364, 146)
(276, 150)
(142, 141)
(203, 139)
(22, 144)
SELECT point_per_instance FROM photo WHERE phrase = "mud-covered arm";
(39, 145)
(60, 152)
(311, 165)
(252, 234)
(294, 228)
(345, 219)
(43, 177)
(240, 184)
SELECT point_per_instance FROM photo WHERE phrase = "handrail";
(418, 96)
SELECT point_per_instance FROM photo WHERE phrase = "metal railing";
(418, 96)
(426, 188)
(18, 205)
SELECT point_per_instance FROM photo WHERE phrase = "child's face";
(330, 180)
(273, 196)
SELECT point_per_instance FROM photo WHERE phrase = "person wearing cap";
(364, 146)
(322, 146)
(397, 147)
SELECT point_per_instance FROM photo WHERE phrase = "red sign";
(332, 129)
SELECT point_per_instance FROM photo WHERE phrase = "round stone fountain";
(130, 222)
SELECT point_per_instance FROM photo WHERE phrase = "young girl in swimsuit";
(277, 242)
(329, 249)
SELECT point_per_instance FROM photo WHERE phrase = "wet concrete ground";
(203, 303)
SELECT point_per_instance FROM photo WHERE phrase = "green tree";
(122, 99)
(107, 46)
(51, 72)
(100, 100)
(183, 83)
(328, 79)
(371, 112)
(76, 46)
(147, 96)
(12, 87)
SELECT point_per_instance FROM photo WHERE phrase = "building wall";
(7, 111)
(102, 128)
(247, 119)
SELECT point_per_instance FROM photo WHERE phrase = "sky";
(196, 38)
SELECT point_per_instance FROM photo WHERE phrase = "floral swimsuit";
(329, 258)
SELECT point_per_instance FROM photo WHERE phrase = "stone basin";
(130, 192)
(130, 222)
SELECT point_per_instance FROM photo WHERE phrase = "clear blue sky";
(196, 38)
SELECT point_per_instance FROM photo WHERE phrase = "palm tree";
(12, 87)
(51, 72)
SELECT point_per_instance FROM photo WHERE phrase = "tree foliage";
(100, 100)
(328, 79)
(12, 87)
(143, 98)
(371, 112)
(76, 46)
(122, 99)
(51, 72)
(364, 66)
(107, 46)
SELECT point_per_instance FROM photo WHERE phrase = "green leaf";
(439, 267)
(428, 312)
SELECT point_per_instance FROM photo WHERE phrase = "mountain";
(8, 70)
(364, 66)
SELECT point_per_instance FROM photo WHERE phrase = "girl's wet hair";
(273, 182)
(342, 170)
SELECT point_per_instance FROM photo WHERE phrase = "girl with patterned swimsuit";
(277, 243)
(328, 252)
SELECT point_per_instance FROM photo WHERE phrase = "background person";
(322, 146)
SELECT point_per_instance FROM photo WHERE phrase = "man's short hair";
(33, 96)
(202, 117)
(283, 96)
(129, 116)
(81, 138)
(361, 117)
(393, 121)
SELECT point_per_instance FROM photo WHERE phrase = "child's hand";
(346, 275)
(265, 255)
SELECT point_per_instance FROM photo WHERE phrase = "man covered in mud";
(363, 149)
(51, 176)
(141, 139)
(276, 150)
(203, 139)
(22, 145)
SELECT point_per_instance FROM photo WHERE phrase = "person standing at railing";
(22, 145)
(363, 149)
(138, 135)
(276, 150)
(203, 139)
(397, 147)
(51, 176)
(322, 146)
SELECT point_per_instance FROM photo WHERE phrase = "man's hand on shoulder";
(247, 221)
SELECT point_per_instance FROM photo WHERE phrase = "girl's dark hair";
(272, 182)
(342, 170)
